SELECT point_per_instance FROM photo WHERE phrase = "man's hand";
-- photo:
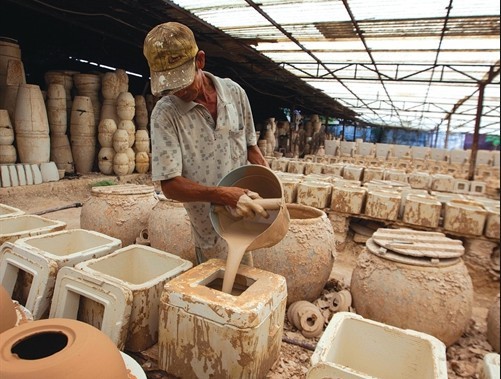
(247, 207)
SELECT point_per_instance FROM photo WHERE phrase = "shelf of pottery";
(419, 200)
(78, 122)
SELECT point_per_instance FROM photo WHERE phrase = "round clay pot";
(169, 229)
(126, 106)
(142, 162)
(434, 299)
(493, 325)
(121, 164)
(120, 211)
(59, 349)
(8, 315)
(105, 160)
(305, 255)
(106, 128)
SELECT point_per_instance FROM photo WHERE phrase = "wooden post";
(476, 133)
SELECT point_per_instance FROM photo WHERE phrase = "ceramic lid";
(412, 246)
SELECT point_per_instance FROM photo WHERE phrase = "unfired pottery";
(493, 335)
(409, 291)
(305, 256)
(119, 211)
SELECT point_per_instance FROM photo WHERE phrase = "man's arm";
(185, 190)
(255, 156)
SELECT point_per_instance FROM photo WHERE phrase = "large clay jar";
(493, 325)
(120, 211)
(305, 255)
(31, 125)
(59, 349)
(8, 315)
(414, 280)
(169, 229)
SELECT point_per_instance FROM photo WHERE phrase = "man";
(201, 129)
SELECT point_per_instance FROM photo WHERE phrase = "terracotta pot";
(434, 298)
(120, 211)
(169, 229)
(105, 160)
(305, 256)
(493, 325)
(120, 164)
(8, 315)
(106, 128)
(59, 349)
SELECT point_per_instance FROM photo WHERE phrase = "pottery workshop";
(231, 189)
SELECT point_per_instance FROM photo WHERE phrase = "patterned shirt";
(187, 142)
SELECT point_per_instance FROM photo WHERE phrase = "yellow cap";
(170, 49)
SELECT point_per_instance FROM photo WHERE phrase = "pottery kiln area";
(85, 295)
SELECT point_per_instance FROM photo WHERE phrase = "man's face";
(191, 92)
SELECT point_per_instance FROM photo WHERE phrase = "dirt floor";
(463, 357)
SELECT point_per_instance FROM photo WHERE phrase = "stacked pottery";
(307, 318)
(66, 80)
(110, 88)
(60, 150)
(89, 85)
(142, 150)
(8, 152)
(120, 145)
(123, 80)
(414, 280)
(106, 129)
(83, 134)
(141, 116)
(31, 125)
(11, 73)
(125, 110)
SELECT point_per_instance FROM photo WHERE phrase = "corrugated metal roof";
(413, 63)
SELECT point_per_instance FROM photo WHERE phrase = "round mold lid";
(415, 247)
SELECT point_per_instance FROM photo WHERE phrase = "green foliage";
(103, 183)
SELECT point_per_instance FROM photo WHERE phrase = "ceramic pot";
(125, 106)
(106, 128)
(121, 164)
(305, 256)
(120, 211)
(59, 349)
(105, 160)
(169, 229)
(433, 297)
(8, 315)
(60, 152)
(31, 125)
(493, 325)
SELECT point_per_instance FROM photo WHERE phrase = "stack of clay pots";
(125, 111)
(11, 74)
(83, 134)
(64, 78)
(110, 87)
(141, 117)
(89, 85)
(106, 129)
(60, 150)
(142, 150)
(8, 152)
